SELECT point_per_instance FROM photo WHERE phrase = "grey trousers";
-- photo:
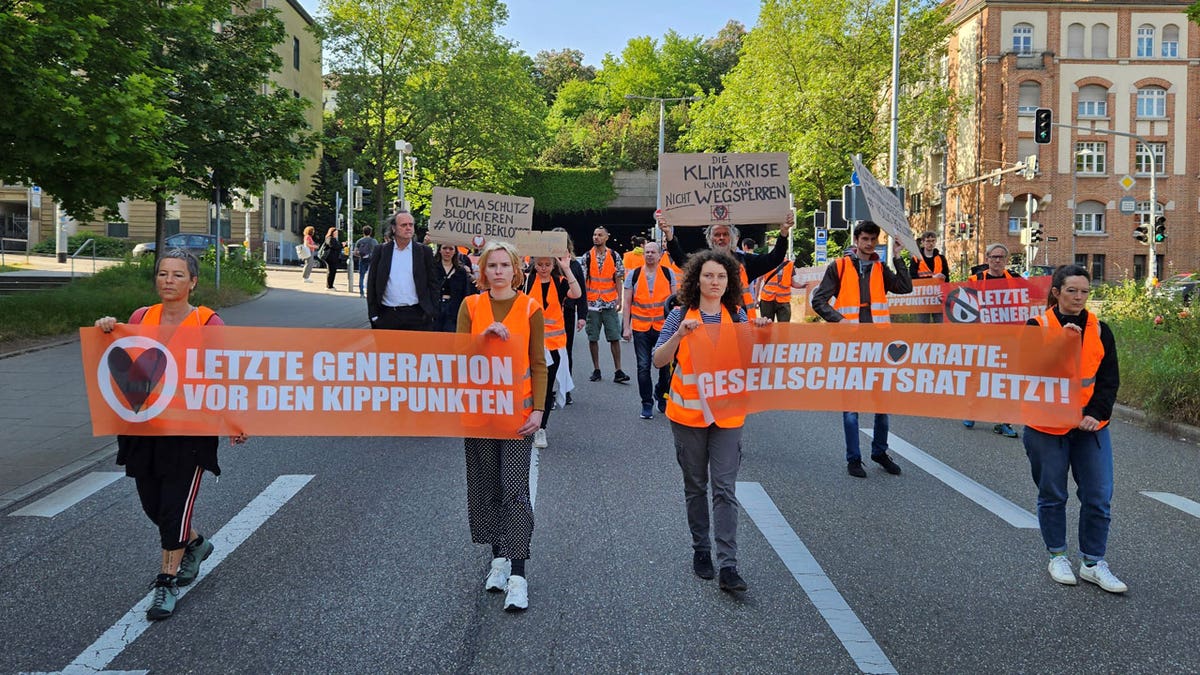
(716, 453)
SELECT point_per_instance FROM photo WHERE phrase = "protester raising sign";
(886, 209)
(728, 188)
(472, 219)
(542, 244)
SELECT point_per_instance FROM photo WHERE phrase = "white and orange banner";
(1011, 373)
(1012, 301)
(219, 380)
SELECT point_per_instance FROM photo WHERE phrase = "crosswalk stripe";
(1182, 503)
(69, 495)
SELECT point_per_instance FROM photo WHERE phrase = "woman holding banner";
(499, 508)
(167, 469)
(551, 286)
(1084, 449)
(705, 444)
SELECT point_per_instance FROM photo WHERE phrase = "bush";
(1158, 344)
(106, 247)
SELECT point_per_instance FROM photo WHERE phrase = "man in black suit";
(404, 282)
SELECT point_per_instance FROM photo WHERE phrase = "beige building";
(272, 225)
(1127, 67)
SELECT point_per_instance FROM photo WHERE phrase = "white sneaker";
(1103, 577)
(517, 598)
(308, 281)
(1060, 570)
(498, 575)
(539, 438)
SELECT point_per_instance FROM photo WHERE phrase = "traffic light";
(1031, 167)
(1035, 233)
(962, 231)
(1043, 122)
(1160, 229)
(1142, 234)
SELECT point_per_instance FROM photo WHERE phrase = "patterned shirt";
(585, 262)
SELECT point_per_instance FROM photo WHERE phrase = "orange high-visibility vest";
(633, 259)
(646, 312)
(200, 317)
(778, 285)
(601, 285)
(684, 405)
(552, 314)
(479, 308)
(1090, 358)
(665, 261)
(849, 299)
(923, 271)
(982, 276)
(748, 302)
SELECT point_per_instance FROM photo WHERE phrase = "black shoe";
(620, 377)
(569, 401)
(731, 580)
(854, 468)
(662, 405)
(702, 565)
(595, 376)
(887, 464)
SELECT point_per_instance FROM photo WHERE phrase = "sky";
(599, 27)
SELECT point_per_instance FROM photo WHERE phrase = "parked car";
(1181, 287)
(196, 244)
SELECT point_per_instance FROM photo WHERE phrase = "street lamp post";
(402, 147)
(662, 111)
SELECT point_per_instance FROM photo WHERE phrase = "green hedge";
(106, 247)
(560, 190)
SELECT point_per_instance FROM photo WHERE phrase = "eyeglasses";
(997, 257)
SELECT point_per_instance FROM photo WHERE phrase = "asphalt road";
(368, 566)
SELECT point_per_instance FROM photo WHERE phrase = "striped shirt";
(671, 323)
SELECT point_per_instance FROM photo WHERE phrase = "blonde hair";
(492, 247)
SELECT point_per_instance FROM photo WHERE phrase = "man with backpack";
(647, 291)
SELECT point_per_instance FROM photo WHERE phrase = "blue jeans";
(1088, 456)
(363, 267)
(643, 347)
(878, 444)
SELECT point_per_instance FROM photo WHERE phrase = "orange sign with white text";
(225, 380)
(931, 370)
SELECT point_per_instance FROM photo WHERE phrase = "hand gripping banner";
(218, 380)
(1011, 373)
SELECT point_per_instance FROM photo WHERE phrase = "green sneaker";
(166, 592)
(195, 553)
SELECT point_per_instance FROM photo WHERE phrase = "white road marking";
(69, 495)
(1005, 509)
(127, 629)
(807, 572)
(1182, 503)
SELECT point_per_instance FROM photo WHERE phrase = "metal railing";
(89, 242)
(3, 252)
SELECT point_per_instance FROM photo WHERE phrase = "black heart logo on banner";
(136, 378)
(896, 352)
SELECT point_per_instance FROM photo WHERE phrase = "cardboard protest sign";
(886, 209)
(804, 281)
(1012, 301)
(541, 244)
(724, 188)
(472, 219)
(1018, 373)
(156, 381)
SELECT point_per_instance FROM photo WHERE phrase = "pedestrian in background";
(997, 268)
(364, 248)
(929, 263)
(332, 249)
(1084, 449)
(605, 272)
(775, 295)
(404, 283)
(311, 244)
(574, 311)
(647, 290)
(498, 502)
(167, 469)
(457, 284)
(551, 285)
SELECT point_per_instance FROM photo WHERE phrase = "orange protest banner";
(156, 381)
(995, 300)
(930, 370)
(926, 298)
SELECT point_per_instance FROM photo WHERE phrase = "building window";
(1029, 98)
(117, 229)
(1170, 42)
(1023, 39)
(1160, 159)
(277, 214)
(1075, 41)
(1091, 157)
(1152, 102)
(171, 224)
(1100, 41)
(1142, 215)
(1016, 216)
(1089, 218)
(1139, 267)
(296, 218)
(296, 53)
(1093, 101)
(1097, 268)
(1081, 260)
(1145, 41)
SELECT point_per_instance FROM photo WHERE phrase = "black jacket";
(427, 276)
(756, 264)
(893, 282)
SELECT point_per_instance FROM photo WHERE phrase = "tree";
(554, 68)
(723, 52)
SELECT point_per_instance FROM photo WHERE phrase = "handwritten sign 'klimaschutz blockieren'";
(465, 218)
(729, 188)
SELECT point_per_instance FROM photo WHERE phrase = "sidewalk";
(44, 415)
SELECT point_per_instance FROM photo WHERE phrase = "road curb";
(1184, 432)
(60, 474)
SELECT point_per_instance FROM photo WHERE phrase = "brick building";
(1129, 67)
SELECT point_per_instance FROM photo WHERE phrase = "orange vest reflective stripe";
(646, 312)
(1090, 358)
(849, 297)
(200, 317)
(601, 285)
(552, 314)
(923, 271)
(982, 276)
(748, 302)
(778, 285)
(684, 405)
(479, 307)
